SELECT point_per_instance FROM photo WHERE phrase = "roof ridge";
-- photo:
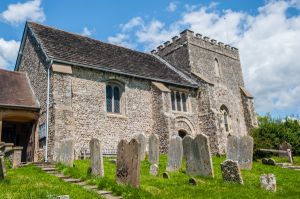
(79, 35)
(181, 74)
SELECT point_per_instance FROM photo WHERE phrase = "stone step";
(53, 172)
(103, 192)
(111, 197)
(48, 169)
(72, 180)
(83, 183)
(90, 187)
(62, 176)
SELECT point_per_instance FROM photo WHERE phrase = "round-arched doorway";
(182, 133)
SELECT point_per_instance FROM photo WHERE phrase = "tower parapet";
(188, 37)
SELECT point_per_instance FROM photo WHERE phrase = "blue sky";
(267, 34)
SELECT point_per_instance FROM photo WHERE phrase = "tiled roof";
(16, 91)
(77, 49)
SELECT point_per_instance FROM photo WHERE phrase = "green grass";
(177, 186)
(31, 182)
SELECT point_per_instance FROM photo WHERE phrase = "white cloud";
(172, 7)
(121, 40)
(86, 32)
(8, 53)
(268, 42)
(20, 12)
(134, 22)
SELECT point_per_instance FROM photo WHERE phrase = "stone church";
(87, 88)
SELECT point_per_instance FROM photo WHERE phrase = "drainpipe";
(48, 102)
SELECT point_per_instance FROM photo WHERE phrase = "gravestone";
(97, 167)
(197, 155)
(67, 152)
(284, 147)
(175, 154)
(240, 149)
(2, 167)
(153, 149)
(57, 152)
(154, 170)
(268, 182)
(143, 142)
(231, 172)
(128, 163)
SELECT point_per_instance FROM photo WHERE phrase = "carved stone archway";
(184, 127)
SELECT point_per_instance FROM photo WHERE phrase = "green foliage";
(271, 133)
(178, 187)
(32, 183)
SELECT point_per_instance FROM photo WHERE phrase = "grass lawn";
(31, 182)
(288, 182)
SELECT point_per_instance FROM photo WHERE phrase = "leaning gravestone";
(153, 149)
(2, 167)
(240, 149)
(284, 147)
(197, 155)
(175, 153)
(231, 172)
(67, 152)
(97, 167)
(268, 182)
(128, 163)
(143, 142)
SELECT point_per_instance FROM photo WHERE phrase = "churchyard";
(187, 171)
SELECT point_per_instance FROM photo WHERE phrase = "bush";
(271, 133)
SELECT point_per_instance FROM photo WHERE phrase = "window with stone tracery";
(179, 101)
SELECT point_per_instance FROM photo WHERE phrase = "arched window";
(217, 67)
(113, 98)
(225, 115)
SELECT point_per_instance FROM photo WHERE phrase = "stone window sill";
(116, 115)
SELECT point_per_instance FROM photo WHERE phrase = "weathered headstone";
(153, 149)
(97, 167)
(197, 155)
(2, 167)
(231, 172)
(232, 147)
(284, 147)
(128, 162)
(268, 182)
(143, 142)
(154, 170)
(240, 149)
(175, 154)
(57, 152)
(67, 152)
